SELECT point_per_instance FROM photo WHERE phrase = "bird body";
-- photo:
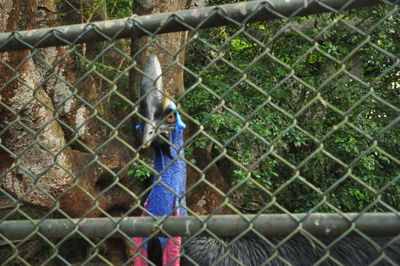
(297, 250)
(167, 197)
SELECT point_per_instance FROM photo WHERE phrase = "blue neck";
(169, 163)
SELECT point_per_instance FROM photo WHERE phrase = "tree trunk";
(51, 139)
(50, 135)
(170, 44)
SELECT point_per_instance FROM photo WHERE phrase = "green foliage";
(293, 113)
(140, 171)
(87, 9)
(119, 8)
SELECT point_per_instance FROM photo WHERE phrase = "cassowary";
(166, 198)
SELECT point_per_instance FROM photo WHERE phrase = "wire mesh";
(292, 113)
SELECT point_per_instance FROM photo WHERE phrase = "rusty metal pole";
(270, 225)
(172, 22)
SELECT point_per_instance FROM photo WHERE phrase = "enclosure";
(292, 113)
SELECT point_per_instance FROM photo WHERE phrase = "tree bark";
(51, 139)
(51, 136)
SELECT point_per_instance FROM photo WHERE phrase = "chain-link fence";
(287, 111)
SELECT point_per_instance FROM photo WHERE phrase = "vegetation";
(87, 9)
(310, 109)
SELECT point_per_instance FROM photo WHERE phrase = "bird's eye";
(171, 118)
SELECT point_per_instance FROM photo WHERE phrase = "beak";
(148, 135)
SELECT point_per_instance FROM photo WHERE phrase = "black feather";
(296, 251)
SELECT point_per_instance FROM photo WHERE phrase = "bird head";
(160, 116)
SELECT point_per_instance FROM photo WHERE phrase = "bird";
(162, 127)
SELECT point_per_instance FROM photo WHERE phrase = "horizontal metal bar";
(172, 22)
(319, 224)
